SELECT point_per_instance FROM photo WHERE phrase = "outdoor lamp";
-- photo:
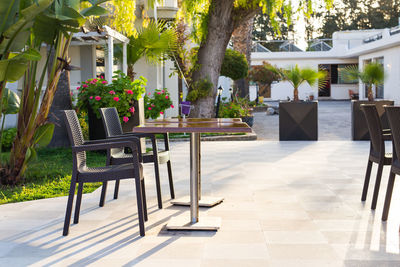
(219, 93)
(231, 92)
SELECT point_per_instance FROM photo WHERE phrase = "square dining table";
(194, 126)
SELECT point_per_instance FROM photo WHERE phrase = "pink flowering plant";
(156, 104)
(121, 93)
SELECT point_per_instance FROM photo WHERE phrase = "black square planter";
(359, 128)
(298, 120)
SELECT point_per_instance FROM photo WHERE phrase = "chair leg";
(171, 182)
(388, 197)
(140, 205)
(69, 206)
(158, 185)
(144, 201)
(78, 203)
(366, 181)
(116, 189)
(103, 194)
(377, 185)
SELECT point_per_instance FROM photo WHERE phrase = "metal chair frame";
(81, 173)
(113, 129)
(377, 150)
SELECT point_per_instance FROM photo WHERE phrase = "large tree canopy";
(359, 15)
(213, 24)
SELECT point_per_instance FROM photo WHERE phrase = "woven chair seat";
(108, 172)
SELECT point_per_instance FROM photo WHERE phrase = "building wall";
(282, 90)
(391, 62)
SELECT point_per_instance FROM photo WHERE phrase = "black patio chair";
(377, 150)
(113, 129)
(393, 114)
(81, 173)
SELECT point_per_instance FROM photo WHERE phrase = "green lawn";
(49, 176)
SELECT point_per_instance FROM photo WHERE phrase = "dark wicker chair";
(393, 114)
(113, 129)
(81, 173)
(377, 150)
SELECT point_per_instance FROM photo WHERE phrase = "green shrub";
(200, 89)
(8, 138)
(235, 65)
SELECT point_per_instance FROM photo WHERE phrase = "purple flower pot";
(185, 107)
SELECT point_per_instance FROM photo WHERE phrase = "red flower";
(104, 82)
(97, 98)
(132, 110)
(161, 112)
(116, 98)
(111, 92)
(158, 93)
(172, 106)
(91, 97)
(125, 119)
(149, 108)
(77, 88)
(84, 86)
(166, 97)
(129, 92)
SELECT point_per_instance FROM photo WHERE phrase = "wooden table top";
(193, 127)
(195, 120)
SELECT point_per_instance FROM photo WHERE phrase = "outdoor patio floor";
(286, 204)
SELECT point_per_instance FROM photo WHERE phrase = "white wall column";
(124, 59)
(109, 59)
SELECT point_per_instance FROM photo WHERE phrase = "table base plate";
(182, 222)
(205, 201)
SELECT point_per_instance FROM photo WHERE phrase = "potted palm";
(372, 75)
(298, 120)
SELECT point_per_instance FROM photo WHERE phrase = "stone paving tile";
(286, 204)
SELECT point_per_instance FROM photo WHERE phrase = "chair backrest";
(112, 125)
(375, 129)
(75, 135)
(393, 115)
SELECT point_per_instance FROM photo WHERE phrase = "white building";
(348, 47)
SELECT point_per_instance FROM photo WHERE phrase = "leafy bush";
(8, 138)
(121, 94)
(157, 104)
(237, 109)
(200, 89)
(235, 65)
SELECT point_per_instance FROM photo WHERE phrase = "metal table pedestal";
(183, 222)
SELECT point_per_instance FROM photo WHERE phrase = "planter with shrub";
(122, 93)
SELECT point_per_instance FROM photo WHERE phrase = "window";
(336, 73)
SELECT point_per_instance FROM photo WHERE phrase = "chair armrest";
(135, 139)
(105, 145)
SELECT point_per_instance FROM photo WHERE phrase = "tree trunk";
(211, 53)
(242, 42)
(295, 94)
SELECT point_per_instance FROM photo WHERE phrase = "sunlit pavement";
(286, 204)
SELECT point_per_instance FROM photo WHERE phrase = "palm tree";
(372, 74)
(297, 76)
(153, 42)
